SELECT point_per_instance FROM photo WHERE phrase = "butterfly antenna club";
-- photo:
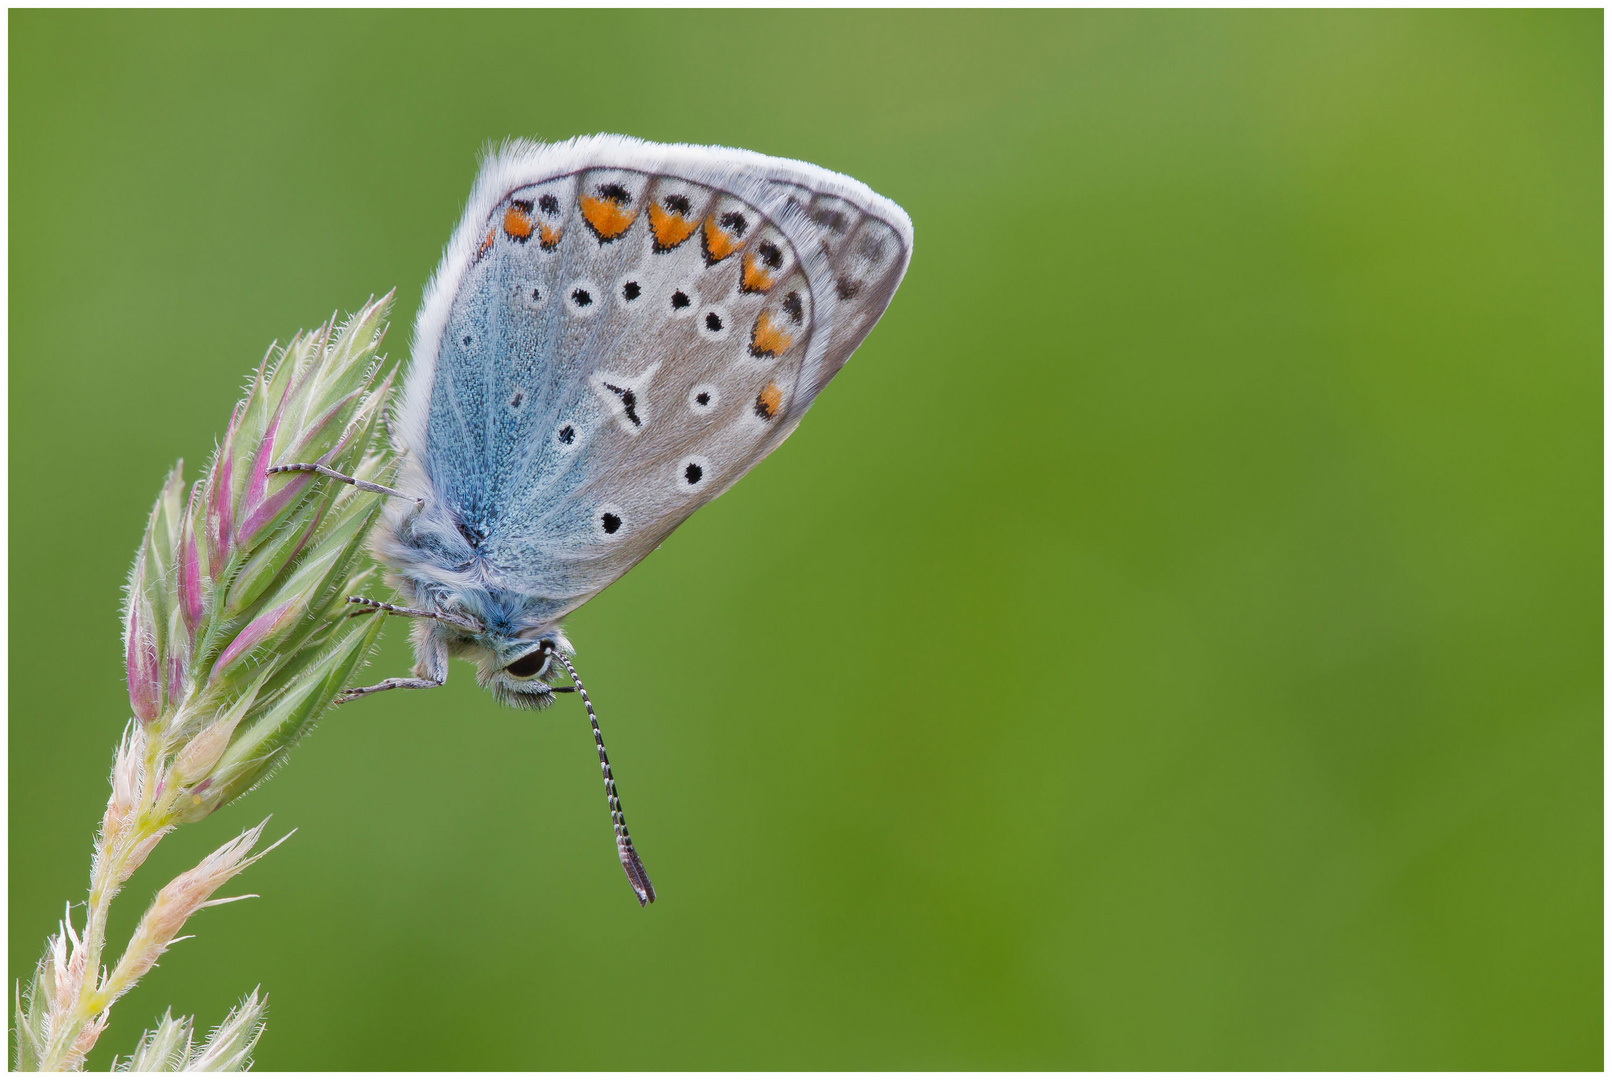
(634, 867)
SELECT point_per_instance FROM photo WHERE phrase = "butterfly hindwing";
(619, 332)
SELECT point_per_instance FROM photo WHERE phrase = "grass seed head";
(236, 636)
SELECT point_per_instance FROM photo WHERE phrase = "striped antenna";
(636, 874)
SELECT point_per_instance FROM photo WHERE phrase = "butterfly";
(618, 331)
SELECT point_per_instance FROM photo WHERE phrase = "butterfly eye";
(533, 663)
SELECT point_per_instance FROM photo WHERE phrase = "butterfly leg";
(361, 485)
(430, 668)
(415, 613)
(386, 684)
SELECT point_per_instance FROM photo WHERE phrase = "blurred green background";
(1173, 642)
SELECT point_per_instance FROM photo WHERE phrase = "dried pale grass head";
(180, 899)
(171, 1046)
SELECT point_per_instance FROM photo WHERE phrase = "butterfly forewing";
(616, 345)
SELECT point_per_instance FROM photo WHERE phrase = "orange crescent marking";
(517, 226)
(670, 229)
(768, 400)
(546, 236)
(768, 339)
(486, 243)
(753, 278)
(607, 217)
(718, 244)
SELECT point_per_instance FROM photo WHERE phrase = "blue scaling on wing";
(621, 348)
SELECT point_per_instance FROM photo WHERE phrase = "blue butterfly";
(619, 330)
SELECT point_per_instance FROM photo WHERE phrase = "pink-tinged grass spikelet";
(236, 639)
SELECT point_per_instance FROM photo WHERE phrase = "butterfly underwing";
(618, 331)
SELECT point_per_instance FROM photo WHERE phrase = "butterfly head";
(519, 672)
(513, 643)
(518, 668)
